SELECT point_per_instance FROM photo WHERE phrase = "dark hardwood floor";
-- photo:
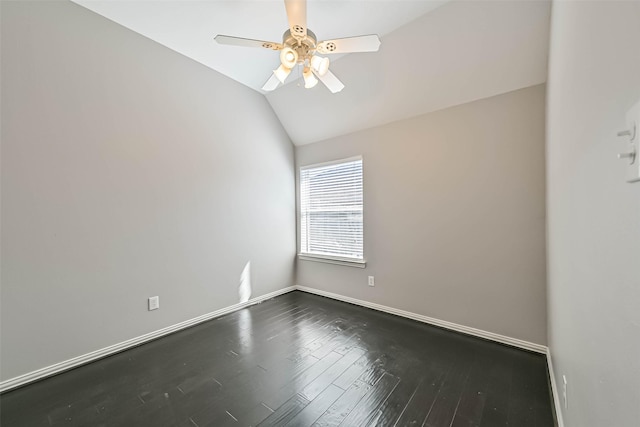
(297, 360)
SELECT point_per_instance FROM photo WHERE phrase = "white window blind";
(331, 210)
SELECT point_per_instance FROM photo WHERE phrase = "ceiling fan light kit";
(299, 47)
(309, 79)
(320, 65)
(288, 57)
(281, 73)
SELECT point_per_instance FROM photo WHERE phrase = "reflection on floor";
(297, 360)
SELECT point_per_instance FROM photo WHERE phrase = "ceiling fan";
(300, 46)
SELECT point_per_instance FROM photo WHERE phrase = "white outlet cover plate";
(633, 120)
(154, 303)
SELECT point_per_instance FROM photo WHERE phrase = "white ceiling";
(189, 26)
(434, 54)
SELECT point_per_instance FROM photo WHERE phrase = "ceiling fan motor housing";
(304, 46)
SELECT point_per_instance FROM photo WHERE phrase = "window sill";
(333, 260)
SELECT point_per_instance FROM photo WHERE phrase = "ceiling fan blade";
(239, 41)
(271, 84)
(331, 81)
(297, 15)
(369, 43)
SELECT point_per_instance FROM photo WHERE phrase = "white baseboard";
(514, 342)
(554, 391)
(116, 348)
(538, 348)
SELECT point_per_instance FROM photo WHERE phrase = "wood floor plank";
(391, 410)
(368, 406)
(522, 408)
(422, 399)
(286, 412)
(496, 410)
(352, 373)
(314, 388)
(474, 395)
(446, 402)
(340, 409)
(278, 396)
(375, 370)
(317, 407)
(339, 340)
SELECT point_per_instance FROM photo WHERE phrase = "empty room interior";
(289, 212)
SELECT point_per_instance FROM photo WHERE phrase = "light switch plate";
(632, 143)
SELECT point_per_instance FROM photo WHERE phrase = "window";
(331, 212)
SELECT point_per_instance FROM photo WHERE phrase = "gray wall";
(593, 215)
(128, 171)
(454, 215)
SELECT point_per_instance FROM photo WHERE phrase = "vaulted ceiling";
(434, 54)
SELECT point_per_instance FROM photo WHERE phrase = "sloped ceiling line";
(434, 54)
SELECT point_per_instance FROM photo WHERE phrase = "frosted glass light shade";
(282, 73)
(320, 65)
(309, 79)
(288, 57)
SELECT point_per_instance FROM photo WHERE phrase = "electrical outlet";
(564, 391)
(154, 303)
(371, 281)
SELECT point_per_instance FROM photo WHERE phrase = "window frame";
(325, 258)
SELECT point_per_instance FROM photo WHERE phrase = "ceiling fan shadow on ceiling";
(300, 47)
